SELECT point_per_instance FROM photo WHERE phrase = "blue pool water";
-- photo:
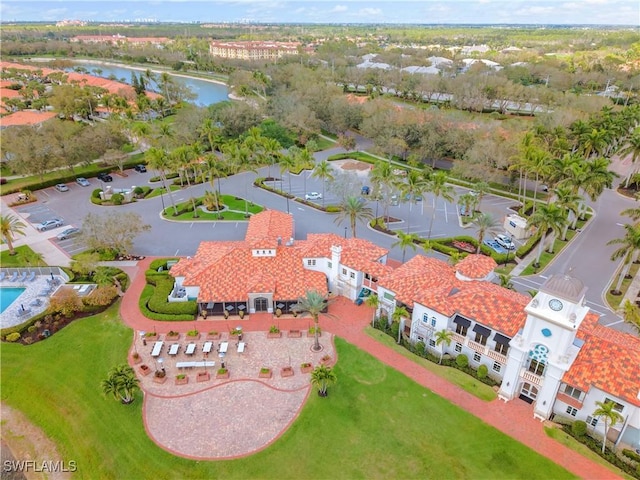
(8, 295)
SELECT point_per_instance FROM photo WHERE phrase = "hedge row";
(145, 296)
(160, 262)
(158, 303)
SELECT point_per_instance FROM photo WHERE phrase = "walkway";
(514, 418)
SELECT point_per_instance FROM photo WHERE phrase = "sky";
(556, 12)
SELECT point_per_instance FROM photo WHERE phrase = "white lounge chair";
(23, 277)
(14, 277)
(2, 276)
(32, 277)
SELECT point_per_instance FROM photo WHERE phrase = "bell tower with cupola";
(545, 348)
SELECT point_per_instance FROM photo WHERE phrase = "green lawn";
(375, 423)
(235, 205)
(18, 260)
(452, 375)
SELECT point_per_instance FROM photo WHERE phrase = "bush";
(579, 428)
(158, 302)
(462, 361)
(12, 337)
(482, 371)
(96, 193)
(117, 198)
(32, 329)
(631, 454)
(146, 294)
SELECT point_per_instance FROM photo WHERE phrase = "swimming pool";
(8, 295)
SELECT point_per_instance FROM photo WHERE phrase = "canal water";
(207, 92)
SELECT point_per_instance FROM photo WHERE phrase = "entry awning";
(501, 339)
(484, 331)
(462, 321)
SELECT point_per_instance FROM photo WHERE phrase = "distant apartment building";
(158, 42)
(71, 23)
(254, 50)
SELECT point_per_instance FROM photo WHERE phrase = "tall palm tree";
(405, 240)
(373, 301)
(607, 411)
(383, 181)
(629, 245)
(158, 159)
(485, 223)
(312, 303)
(414, 185)
(568, 201)
(632, 149)
(355, 209)
(468, 202)
(443, 336)
(323, 172)
(183, 158)
(322, 377)
(480, 189)
(631, 314)
(10, 226)
(398, 314)
(121, 383)
(439, 188)
(547, 217)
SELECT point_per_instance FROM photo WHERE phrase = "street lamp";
(508, 250)
(345, 232)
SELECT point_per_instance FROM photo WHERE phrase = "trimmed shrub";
(462, 361)
(482, 371)
(631, 454)
(12, 337)
(96, 193)
(158, 301)
(117, 198)
(579, 428)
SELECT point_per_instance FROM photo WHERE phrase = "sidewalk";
(348, 321)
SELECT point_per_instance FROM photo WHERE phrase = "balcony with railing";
(530, 377)
(496, 356)
(477, 347)
(371, 284)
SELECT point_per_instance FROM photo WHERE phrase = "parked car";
(83, 182)
(140, 168)
(105, 177)
(416, 198)
(69, 232)
(52, 223)
(366, 190)
(495, 246)
(313, 196)
(61, 187)
(505, 241)
(394, 200)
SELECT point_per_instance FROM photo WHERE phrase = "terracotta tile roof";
(475, 266)
(267, 226)
(418, 275)
(588, 324)
(9, 93)
(609, 360)
(25, 117)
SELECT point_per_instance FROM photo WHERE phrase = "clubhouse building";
(548, 350)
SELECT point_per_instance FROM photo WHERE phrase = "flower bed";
(294, 334)
(265, 373)
(306, 367)
(203, 377)
(286, 372)
(144, 370)
(181, 379)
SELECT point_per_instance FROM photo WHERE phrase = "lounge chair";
(14, 277)
(36, 303)
(2, 275)
(21, 313)
(23, 277)
(44, 292)
(32, 277)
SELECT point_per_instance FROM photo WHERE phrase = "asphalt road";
(587, 257)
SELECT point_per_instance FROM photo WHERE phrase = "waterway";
(207, 92)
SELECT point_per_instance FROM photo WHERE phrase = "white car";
(47, 224)
(69, 232)
(313, 196)
(505, 241)
(83, 182)
(61, 187)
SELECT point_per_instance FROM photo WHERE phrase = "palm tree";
(312, 303)
(121, 383)
(439, 188)
(383, 182)
(607, 411)
(566, 199)
(632, 148)
(10, 226)
(631, 314)
(405, 240)
(414, 185)
(443, 336)
(373, 301)
(322, 377)
(480, 189)
(539, 165)
(158, 159)
(629, 244)
(505, 281)
(398, 314)
(323, 172)
(355, 209)
(183, 159)
(468, 202)
(485, 223)
(547, 217)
